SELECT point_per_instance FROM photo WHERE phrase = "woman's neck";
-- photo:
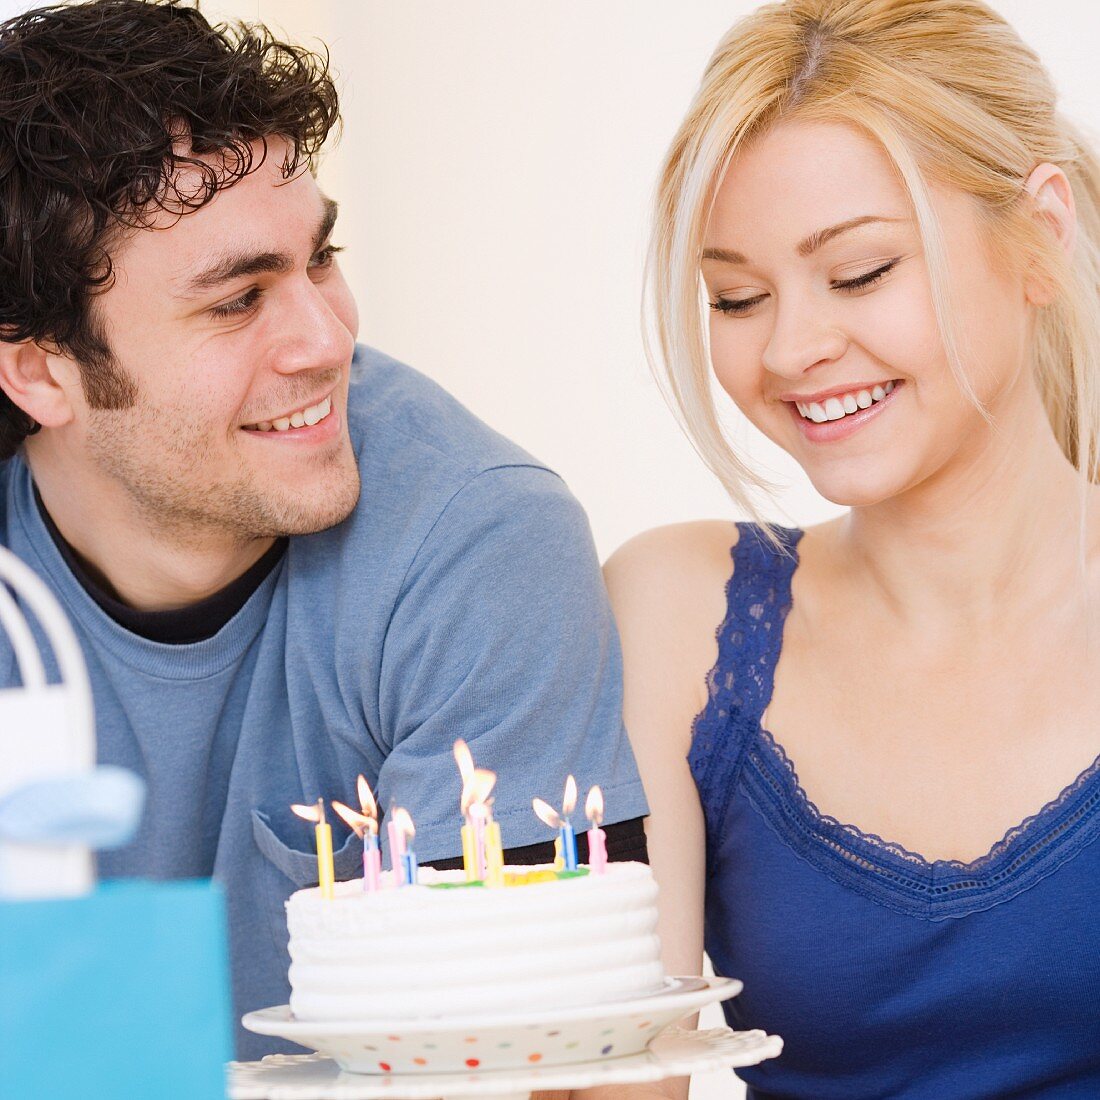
(997, 532)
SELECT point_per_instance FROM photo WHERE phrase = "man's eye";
(326, 255)
(239, 307)
(736, 305)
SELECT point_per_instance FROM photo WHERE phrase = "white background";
(495, 176)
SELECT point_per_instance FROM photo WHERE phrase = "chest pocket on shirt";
(299, 865)
(289, 868)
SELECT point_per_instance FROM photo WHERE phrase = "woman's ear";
(37, 381)
(1052, 196)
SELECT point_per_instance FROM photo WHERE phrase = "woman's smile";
(840, 415)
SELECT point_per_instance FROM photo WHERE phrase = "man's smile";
(305, 417)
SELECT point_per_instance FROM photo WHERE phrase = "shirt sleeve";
(503, 636)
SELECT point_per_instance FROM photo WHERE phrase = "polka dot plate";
(591, 1033)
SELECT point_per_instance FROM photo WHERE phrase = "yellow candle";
(326, 876)
(559, 859)
(494, 855)
(469, 853)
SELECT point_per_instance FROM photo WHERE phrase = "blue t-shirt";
(462, 598)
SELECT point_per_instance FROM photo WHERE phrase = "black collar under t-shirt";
(180, 626)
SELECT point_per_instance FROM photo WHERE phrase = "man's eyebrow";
(326, 225)
(237, 265)
(807, 247)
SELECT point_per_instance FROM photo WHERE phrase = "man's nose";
(803, 336)
(310, 333)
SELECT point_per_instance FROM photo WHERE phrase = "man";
(289, 560)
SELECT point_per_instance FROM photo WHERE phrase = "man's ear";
(38, 381)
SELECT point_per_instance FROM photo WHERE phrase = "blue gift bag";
(121, 993)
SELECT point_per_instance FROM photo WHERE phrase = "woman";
(879, 791)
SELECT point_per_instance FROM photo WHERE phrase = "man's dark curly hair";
(101, 104)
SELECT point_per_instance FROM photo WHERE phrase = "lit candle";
(477, 786)
(494, 855)
(397, 847)
(470, 855)
(597, 838)
(549, 816)
(365, 825)
(326, 876)
(568, 837)
(403, 825)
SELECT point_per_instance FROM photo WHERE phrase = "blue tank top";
(886, 975)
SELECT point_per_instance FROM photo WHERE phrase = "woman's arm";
(667, 591)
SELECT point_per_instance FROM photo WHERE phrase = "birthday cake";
(444, 947)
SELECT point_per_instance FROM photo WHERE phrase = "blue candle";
(402, 855)
(568, 840)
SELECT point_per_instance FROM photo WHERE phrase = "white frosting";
(414, 952)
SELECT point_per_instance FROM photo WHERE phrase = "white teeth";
(300, 419)
(835, 408)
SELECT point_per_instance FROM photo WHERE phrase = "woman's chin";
(855, 491)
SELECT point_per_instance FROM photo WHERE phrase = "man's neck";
(129, 558)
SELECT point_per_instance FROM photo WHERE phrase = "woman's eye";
(861, 282)
(735, 305)
(239, 307)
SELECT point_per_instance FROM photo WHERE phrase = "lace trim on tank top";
(732, 751)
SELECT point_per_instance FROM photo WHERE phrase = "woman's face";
(822, 325)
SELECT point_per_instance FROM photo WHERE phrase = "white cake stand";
(502, 1055)
(675, 1053)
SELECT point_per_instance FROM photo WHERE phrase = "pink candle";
(365, 827)
(597, 838)
(597, 850)
(372, 863)
(479, 838)
(397, 850)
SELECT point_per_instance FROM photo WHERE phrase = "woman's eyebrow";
(822, 236)
(811, 244)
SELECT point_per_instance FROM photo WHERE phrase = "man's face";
(232, 322)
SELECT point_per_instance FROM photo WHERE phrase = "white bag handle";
(45, 730)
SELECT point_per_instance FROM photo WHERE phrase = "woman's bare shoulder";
(668, 571)
(668, 592)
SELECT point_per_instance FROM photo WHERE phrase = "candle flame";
(569, 799)
(477, 788)
(465, 760)
(403, 822)
(366, 800)
(593, 806)
(314, 813)
(361, 824)
(546, 813)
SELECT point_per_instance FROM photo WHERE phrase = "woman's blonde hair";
(953, 96)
